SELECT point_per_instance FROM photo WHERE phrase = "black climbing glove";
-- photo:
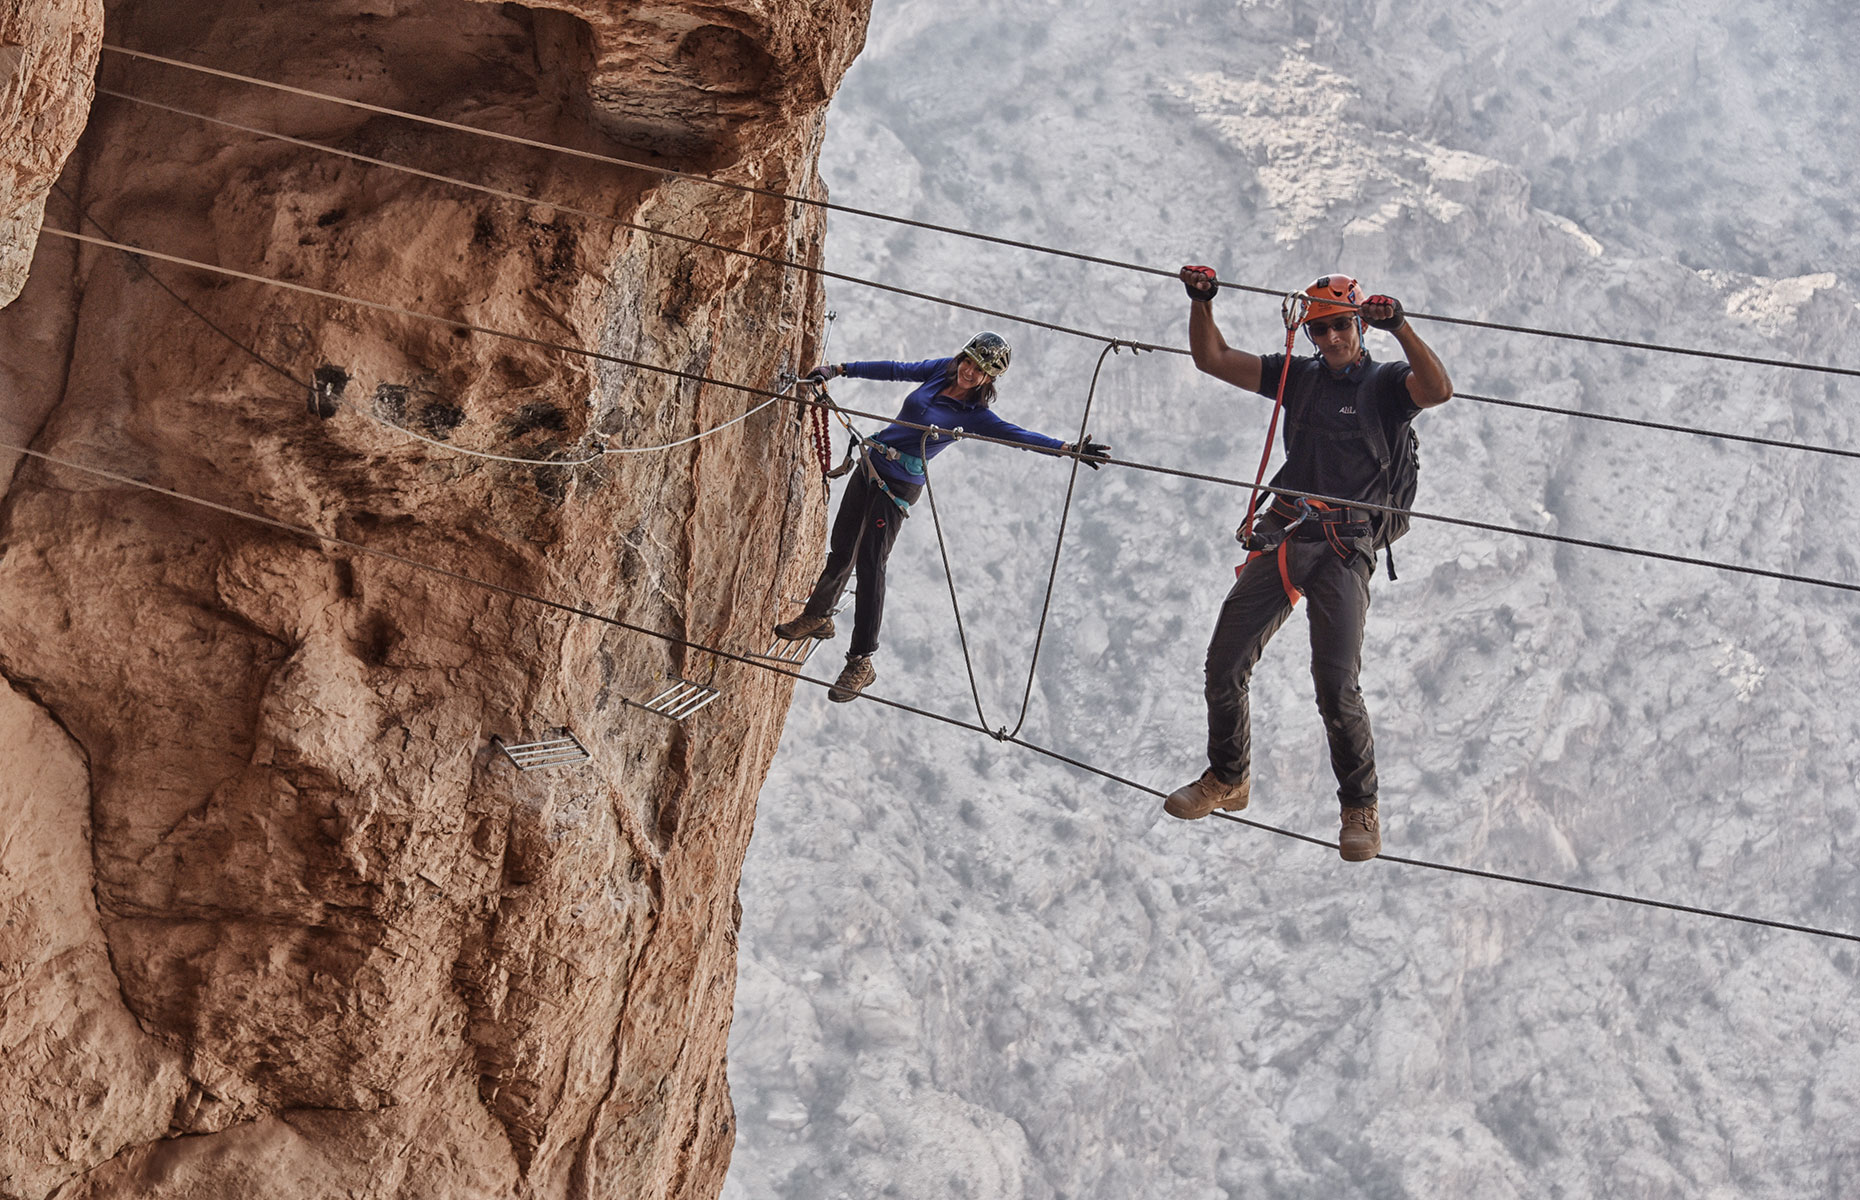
(1092, 454)
(824, 372)
(1199, 281)
(1396, 317)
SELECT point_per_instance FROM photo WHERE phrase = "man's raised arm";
(1213, 356)
(1428, 382)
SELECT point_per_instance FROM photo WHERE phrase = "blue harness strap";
(871, 473)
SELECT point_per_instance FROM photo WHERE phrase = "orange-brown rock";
(48, 55)
(276, 916)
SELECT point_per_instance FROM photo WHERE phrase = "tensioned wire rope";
(1046, 604)
(956, 722)
(968, 663)
(955, 231)
(949, 575)
(1001, 734)
(453, 323)
(1016, 739)
(946, 301)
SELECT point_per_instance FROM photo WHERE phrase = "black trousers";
(863, 531)
(1337, 593)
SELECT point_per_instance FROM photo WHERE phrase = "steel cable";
(673, 372)
(974, 235)
(1065, 512)
(302, 531)
(307, 386)
(930, 297)
(635, 226)
(949, 577)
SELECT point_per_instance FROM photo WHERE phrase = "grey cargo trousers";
(1337, 593)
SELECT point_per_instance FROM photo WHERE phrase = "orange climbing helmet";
(1339, 290)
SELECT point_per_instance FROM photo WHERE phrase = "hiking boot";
(857, 675)
(1206, 794)
(1361, 839)
(805, 626)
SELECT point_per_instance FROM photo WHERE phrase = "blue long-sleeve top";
(926, 406)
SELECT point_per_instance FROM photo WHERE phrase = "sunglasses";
(1339, 325)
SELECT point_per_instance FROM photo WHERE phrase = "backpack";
(1401, 463)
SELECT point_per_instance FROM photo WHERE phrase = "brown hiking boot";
(1206, 794)
(855, 678)
(1361, 839)
(805, 626)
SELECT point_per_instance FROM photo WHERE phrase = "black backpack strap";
(1369, 422)
(1369, 425)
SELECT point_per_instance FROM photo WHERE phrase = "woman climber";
(955, 395)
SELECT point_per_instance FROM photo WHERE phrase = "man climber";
(1324, 551)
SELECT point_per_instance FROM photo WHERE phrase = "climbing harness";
(860, 449)
(1307, 520)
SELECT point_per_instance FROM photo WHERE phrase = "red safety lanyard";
(1294, 310)
(823, 442)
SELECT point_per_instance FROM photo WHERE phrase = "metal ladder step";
(680, 699)
(794, 654)
(555, 752)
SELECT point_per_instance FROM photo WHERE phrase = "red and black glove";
(1395, 319)
(1200, 282)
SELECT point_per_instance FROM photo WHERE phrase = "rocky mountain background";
(276, 916)
(971, 972)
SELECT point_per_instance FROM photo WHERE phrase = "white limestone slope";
(971, 972)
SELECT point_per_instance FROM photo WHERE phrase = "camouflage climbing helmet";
(989, 352)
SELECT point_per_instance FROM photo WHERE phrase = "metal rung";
(536, 756)
(795, 653)
(680, 699)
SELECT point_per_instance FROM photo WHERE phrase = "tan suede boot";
(1198, 799)
(857, 675)
(805, 626)
(1361, 839)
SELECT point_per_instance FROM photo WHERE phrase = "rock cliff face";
(276, 916)
(48, 54)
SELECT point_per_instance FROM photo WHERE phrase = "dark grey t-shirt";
(1325, 451)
